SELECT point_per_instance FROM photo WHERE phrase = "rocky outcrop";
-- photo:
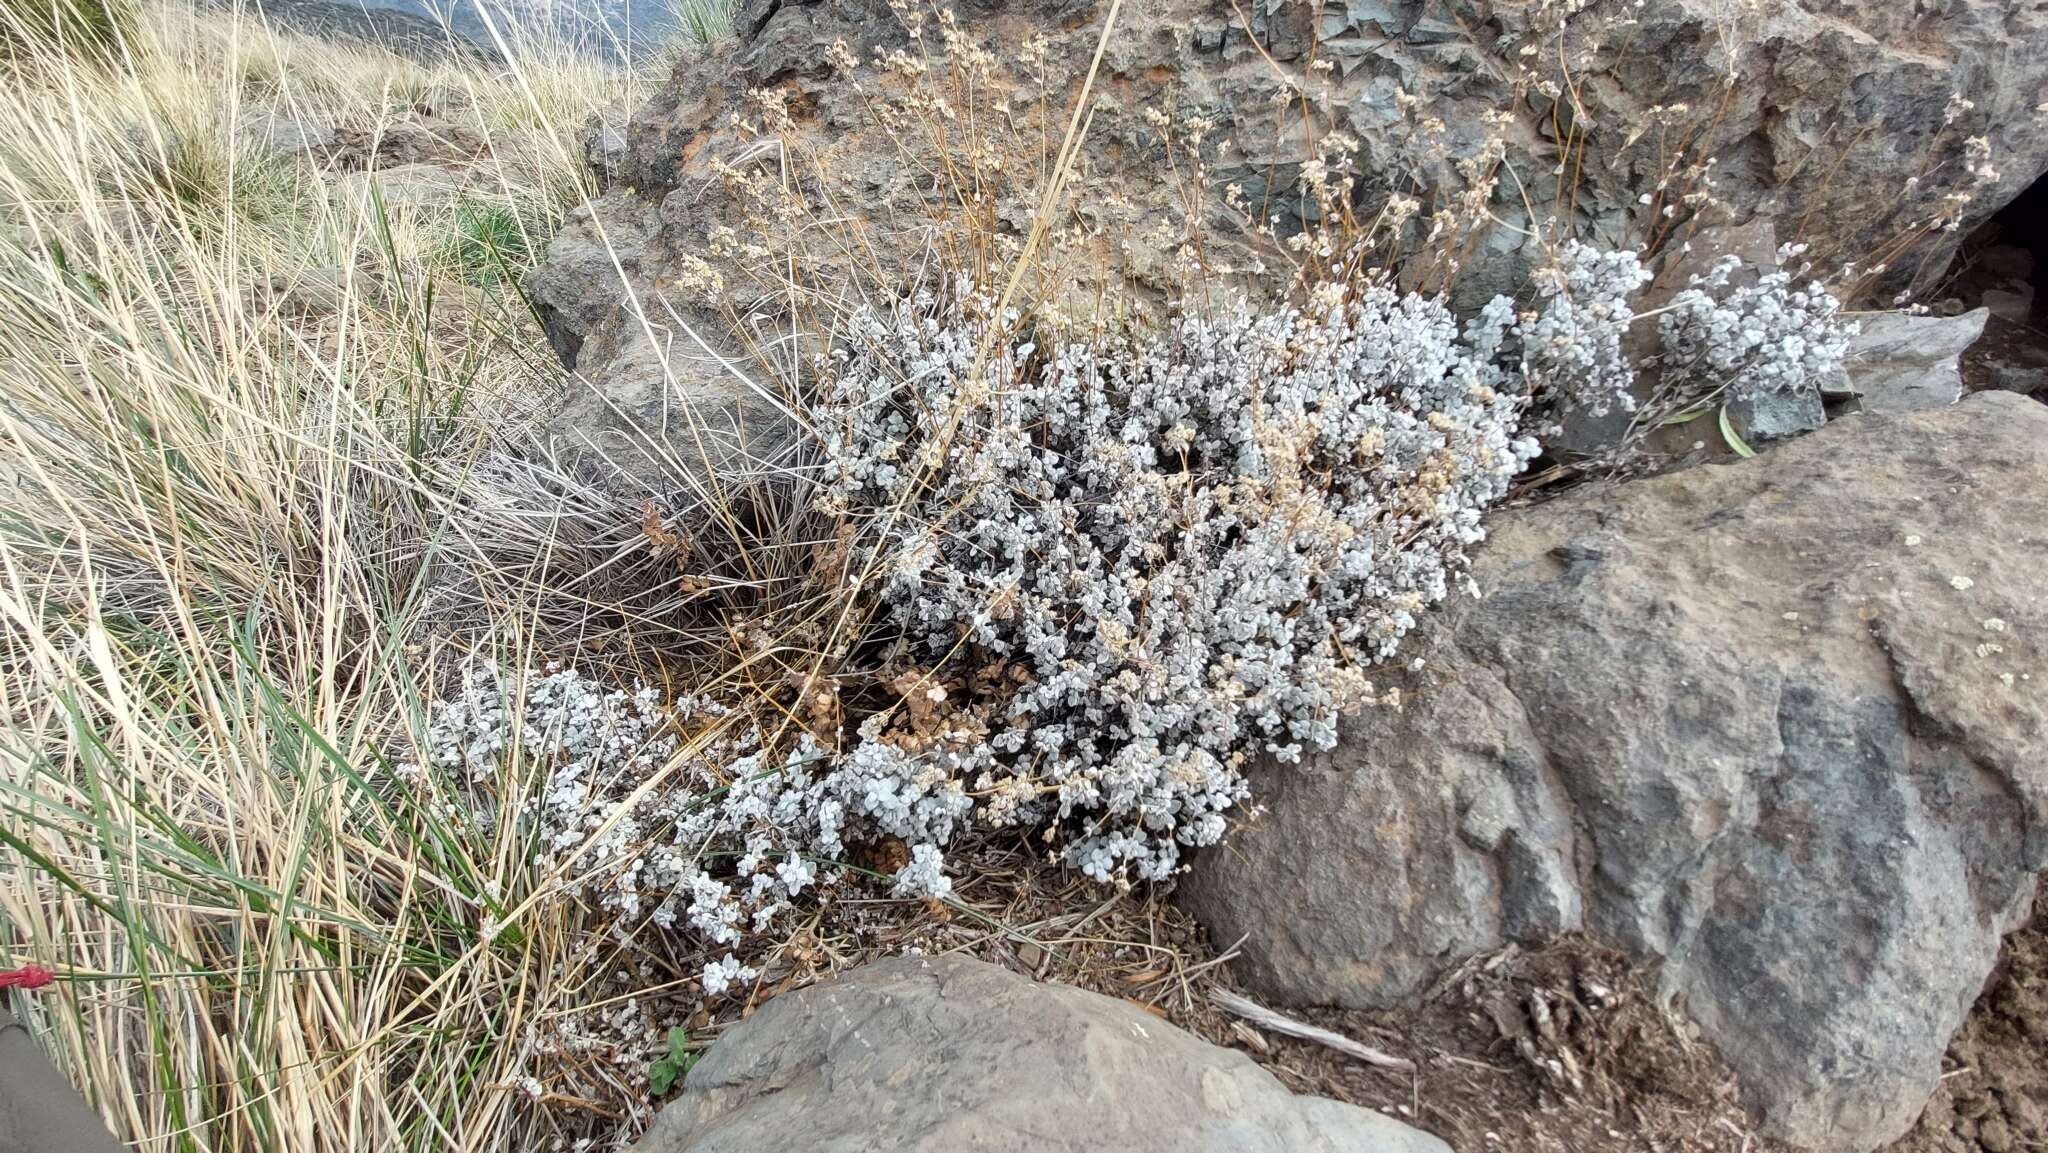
(603, 142)
(1811, 113)
(1780, 725)
(947, 1053)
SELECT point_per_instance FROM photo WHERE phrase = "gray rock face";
(1903, 363)
(1781, 725)
(1777, 415)
(288, 135)
(1810, 110)
(604, 141)
(672, 398)
(947, 1053)
(600, 247)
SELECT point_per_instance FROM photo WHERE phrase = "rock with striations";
(1902, 363)
(1780, 725)
(939, 1054)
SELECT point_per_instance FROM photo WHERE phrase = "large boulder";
(942, 1054)
(1780, 725)
(1811, 113)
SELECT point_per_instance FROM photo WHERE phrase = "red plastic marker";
(26, 977)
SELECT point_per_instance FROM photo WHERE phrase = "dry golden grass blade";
(232, 446)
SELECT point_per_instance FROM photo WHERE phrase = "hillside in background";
(627, 29)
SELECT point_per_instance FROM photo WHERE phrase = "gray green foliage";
(1192, 550)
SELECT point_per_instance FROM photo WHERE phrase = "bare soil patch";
(1562, 1048)
(1993, 1096)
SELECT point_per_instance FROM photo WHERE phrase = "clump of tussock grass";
(36, 28)
(704, 21)
(238, 412)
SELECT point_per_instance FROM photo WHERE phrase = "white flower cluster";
(588, 746)
(724, 974)
(808, 807)
(1575, 348)
(1745, 341)
(1186, 553)
(723, 847)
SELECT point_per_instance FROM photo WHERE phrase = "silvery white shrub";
(723, 851)
(1194, 548)
(589, 745)
(1773, 336)
(1575, 348)
(1185, 554)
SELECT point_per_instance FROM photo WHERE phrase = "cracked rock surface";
(949, 1053)
(1780, 725)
